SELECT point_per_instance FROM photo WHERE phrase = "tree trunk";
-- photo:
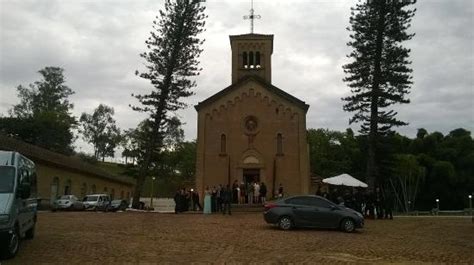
(372, 168)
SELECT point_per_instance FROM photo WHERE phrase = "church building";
(252, 130)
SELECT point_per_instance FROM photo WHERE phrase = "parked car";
(118, 205)
(311, 211)
(18, 201)
(96, 201)
(68, 202)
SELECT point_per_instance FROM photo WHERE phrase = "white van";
(18, 201)
(95, 201)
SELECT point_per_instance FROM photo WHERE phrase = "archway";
(54, 190)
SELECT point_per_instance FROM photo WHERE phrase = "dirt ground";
(130, 237)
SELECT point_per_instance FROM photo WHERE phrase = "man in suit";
(226, 199)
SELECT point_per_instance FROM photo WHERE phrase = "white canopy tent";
(345, 180)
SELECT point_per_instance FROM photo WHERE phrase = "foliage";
(87, 158)
(171, 63)
(332, 152)
(100, 130)
(43, 115)
(379, 75)
(420, 170)
(407, 178)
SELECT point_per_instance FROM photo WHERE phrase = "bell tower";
(251, 55)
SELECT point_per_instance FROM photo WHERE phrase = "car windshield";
(7, 179)
(91, 198)
(65, 197)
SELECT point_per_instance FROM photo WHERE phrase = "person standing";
(263, 193)
(256, 192)
(195, 196)
(213, 199)
(379, 203)
(227, 198)
(249, 192)
(388, 200)
(219, 198)
(207, 201)
(235, 192)
(177, 201)
(280, 191)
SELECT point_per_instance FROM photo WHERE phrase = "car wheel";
(12, 244)
(348, 225)
(285, 223)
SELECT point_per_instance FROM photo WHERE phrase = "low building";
(58, 174)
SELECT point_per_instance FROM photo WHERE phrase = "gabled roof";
(258, 80)
(37, 153)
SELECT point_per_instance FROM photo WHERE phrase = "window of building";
(279, 144)
(112, 194)
(223, 144)
(251, 61)
(257, 59)
(67, 187)
(105, 190)
(245, 60)
(122, 195)
(93, 189)
(54, 189)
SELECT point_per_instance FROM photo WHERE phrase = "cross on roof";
(252, 16)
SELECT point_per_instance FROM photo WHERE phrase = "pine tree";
(379, 75)
(171, 62)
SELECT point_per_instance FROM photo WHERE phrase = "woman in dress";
(207, 201)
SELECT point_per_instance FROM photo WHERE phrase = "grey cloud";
(99, 42)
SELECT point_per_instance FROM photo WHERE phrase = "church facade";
(252, 130)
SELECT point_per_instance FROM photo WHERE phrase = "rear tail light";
(269, 206)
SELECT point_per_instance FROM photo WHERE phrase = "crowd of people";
(370, 204)
(219, 198)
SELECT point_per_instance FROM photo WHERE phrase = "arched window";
(67, 187)
(223, 144)
(245, 60)
(279, 144)
(257, 59)
(251, 61)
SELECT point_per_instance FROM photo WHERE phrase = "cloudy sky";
(98, 44)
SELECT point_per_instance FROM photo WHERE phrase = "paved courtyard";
(117, 238)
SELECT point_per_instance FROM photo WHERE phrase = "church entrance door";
(250, 176)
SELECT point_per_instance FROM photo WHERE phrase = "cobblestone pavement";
(147, 238)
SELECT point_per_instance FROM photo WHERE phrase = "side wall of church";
(274, 115)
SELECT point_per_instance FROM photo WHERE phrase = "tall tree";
(379, 74)
(45, 104)
(171, 62)
(100, 130)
